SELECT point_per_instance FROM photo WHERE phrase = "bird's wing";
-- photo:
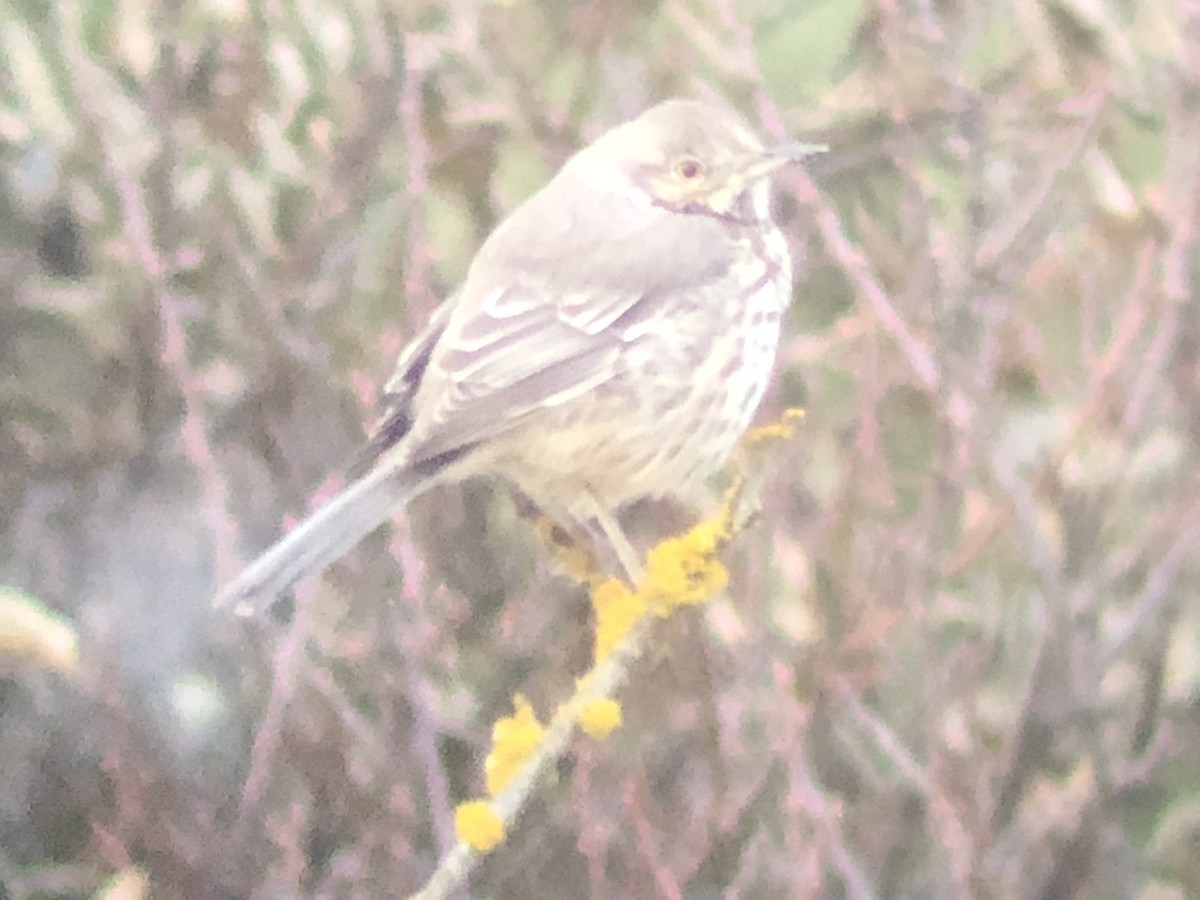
(522, 349)
(551, 300)
(395, 417)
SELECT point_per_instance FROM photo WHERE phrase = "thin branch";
(604, 682)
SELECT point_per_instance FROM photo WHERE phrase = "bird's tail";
(321, 539)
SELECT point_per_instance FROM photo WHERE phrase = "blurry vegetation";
(961, 653)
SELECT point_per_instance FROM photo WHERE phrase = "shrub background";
(959, 657)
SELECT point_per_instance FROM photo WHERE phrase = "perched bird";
(612, 340)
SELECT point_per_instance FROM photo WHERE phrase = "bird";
(611, 341)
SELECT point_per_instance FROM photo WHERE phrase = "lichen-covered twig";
(680, 571)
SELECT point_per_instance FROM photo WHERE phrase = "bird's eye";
(689, 169)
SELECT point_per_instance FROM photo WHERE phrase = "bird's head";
(692, 157)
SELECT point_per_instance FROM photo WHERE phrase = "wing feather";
(509, 367)
(395, 418)
(534, 326)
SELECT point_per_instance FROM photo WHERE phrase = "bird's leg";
(611, 530)
(570, 543)
(600, 530)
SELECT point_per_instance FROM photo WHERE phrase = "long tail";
(321, 539)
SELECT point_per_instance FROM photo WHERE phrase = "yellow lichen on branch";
(684, 570)
(781, 430)
(617, 609)
(600, 718)
(514, 738)
(680, 571)
(478, 826)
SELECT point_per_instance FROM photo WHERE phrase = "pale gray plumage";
(611, 341)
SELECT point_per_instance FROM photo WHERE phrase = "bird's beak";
(795, 151)
(763, 164)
